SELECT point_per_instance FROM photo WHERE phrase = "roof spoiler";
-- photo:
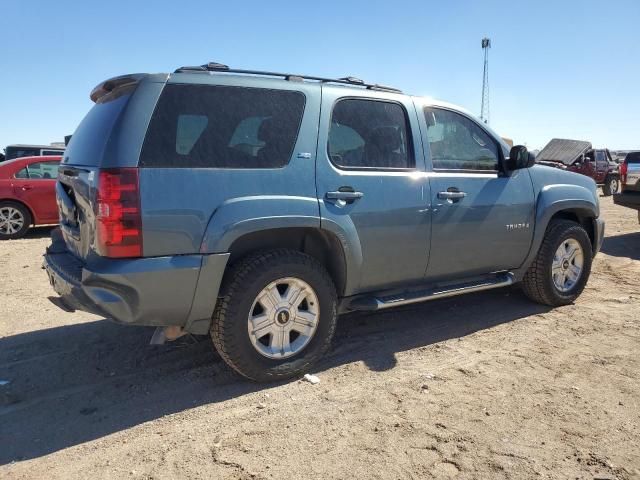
(110, 85)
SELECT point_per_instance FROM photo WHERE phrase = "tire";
(242, 301)
(539, 284)
(10, 214)
(611, 185)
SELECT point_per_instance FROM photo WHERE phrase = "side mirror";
(519, 158)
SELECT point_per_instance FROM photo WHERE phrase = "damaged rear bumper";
(157, 291)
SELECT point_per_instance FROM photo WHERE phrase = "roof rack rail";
(222, 68)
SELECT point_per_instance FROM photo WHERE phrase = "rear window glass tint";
(203, 126)
(370, 134)
(88, 142)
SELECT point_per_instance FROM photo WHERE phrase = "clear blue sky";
(557, 68)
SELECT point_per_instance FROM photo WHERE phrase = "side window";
(370, 134)
(19, 152)
(458, 143)
(601, 157)
(22, 173)
(188, 131)
(204, 126)
(39, 170)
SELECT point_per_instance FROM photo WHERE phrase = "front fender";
(557, 198)
(243, 215)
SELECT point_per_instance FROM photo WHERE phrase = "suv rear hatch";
(97, 191)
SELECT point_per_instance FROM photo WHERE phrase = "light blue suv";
(256, 206)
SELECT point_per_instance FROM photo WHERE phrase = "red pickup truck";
(580, 157)
(27, 194)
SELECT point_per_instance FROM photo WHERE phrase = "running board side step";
(406, 298)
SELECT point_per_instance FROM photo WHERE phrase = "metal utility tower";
(484, 108)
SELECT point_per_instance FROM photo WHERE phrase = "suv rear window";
(633, 157)
(203, 126)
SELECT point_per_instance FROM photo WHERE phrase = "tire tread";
(221, 327)
(536, 284)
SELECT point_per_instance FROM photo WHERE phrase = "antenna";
(484, 107)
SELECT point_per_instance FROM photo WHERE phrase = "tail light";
(118, 219)
(623, 173)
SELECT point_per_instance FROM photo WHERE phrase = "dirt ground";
(483, 386)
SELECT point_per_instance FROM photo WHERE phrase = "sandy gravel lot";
(483, 386)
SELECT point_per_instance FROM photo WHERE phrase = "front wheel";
(275, 316)
(561, 269)
(611, 185)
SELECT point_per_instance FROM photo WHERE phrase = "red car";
(27, 194)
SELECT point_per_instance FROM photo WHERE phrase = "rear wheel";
(275, 316)
(15, 220)
(562, 267)
(611, 185)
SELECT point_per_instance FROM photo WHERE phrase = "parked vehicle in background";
(18, 151)
(255, 206)
(630, 179)
(27, 194)
(580, 157)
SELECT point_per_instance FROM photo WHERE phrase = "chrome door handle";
(344, 195)
(451, 195)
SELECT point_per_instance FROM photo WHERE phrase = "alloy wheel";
(567, 265)
(11, 220)
(283, 318)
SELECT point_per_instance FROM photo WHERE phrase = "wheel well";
(18, 202)
(582, 217)
(322, 245)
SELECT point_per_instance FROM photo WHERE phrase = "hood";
(543, 176)
(563, 151)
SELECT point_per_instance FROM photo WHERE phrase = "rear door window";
(39, 171)
(203, 126)
(370, 134)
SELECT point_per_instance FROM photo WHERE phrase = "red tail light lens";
(623, 172)
(118, 219)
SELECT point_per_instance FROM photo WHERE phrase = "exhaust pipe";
(166, 334)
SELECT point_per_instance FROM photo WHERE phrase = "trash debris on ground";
(311, 379)
(4, 382)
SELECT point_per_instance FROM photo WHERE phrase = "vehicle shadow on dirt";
(40, 232)
(624, 245)
(72, 384)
